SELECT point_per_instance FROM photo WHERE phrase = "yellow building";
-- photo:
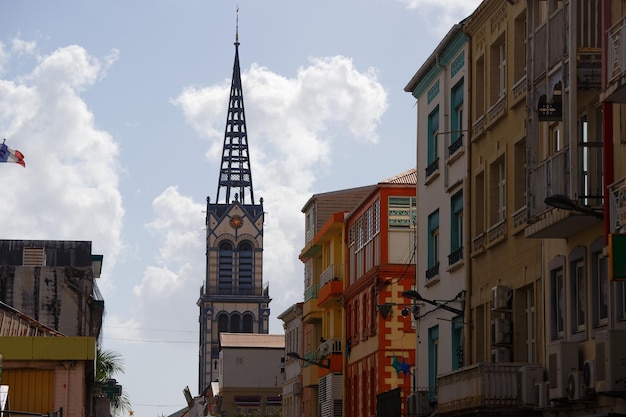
(322, 312)
(505, 277)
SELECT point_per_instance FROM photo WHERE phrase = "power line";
(149, 341)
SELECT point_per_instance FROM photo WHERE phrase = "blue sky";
(120, 108)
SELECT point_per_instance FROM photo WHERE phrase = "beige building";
(292, 371)
(441, 88)
(249, 375)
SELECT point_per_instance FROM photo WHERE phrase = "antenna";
(237, 27)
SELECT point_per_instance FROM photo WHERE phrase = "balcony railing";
(329, 347)
(455, 256)
(432, 272)
(549, 178)
(334, 271)
(478, 126)
(430, 169)
(479, 387)
(497, 109)
(496, 232)
(478, 243)
(616, 51)
(311, 292)
(520, 217)
(455, 146)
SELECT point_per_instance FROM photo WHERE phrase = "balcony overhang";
(556, 223)
(329, 292)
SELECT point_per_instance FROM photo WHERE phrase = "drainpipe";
(607, 124)
(446, 118)
(67, 365)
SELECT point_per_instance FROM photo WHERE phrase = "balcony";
(483, 388)
(329, 291)
(496, 233)
(497, 109)
(552, 177)
(549, 177)
(616, 63)
(333, 273)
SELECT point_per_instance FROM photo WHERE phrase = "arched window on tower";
(248, 323)
(225, 269)
(245, 269)
(235, 323)
(222, 323)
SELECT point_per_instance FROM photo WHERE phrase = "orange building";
(379, 338)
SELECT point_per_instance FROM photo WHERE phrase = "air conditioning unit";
(542, 394)
(531, 375)
(297, 388)
(589, 374)
(500, 355)
(418, 404)
(502, 298)
(562, 359)
(575, 389)
(501, 331)
(610, 361)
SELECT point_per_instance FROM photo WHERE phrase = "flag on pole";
(11, 155)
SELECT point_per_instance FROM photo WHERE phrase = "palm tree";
(108, 364)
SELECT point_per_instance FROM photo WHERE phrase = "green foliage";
(109, 364)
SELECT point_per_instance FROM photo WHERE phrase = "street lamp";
(414, 295)
(563, 202)
(321, 365)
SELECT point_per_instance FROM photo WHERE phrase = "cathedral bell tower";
(233, 298)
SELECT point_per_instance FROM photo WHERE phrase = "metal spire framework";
(235, 173)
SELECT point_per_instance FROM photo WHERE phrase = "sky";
(120, 107)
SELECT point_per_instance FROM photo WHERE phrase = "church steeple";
(234, 298)
(235, 173)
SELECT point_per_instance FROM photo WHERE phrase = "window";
(497, 70)
(433, 133)
(479, 93)
(479, 201)
(222, 323)
(457, 340)
(402, 212)
(225, 269)
(520, 174)
(498, 191)
(248, 323)
(531, 333)
(456, 118)
(557, 297)
(235, 323)
(433, 359)
(433, 245)
(578, 290)
(599, 284)
(245, 268)
(376, 208)
(456, 228)
(519, 67)
(590, 160)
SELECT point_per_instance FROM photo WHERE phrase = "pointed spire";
(235, 170)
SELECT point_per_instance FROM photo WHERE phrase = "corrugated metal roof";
(407, 177)
(252, 340)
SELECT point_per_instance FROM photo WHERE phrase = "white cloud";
(292, 125)
(22, 47)
(69, 188)
(442, 15)
(4, 56)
